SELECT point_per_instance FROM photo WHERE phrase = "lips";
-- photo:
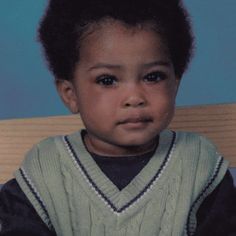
(136, 120)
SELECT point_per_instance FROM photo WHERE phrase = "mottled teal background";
(26, 86)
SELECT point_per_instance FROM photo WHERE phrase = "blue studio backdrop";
(27, 88)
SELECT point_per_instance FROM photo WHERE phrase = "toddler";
(119, 65)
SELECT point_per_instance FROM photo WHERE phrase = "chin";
(137, 141)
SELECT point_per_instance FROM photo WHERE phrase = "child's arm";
(217, 214)
(17, 215)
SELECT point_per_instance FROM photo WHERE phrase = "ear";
(68, 94)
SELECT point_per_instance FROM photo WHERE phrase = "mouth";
(135, 122)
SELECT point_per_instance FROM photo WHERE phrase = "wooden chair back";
(217, 122)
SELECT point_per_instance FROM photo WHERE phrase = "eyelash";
(111, 80)
(155, 77)
(106, 80)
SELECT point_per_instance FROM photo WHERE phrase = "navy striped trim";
(103, 196)
(36, 195)
(87, 175)
(201, 195)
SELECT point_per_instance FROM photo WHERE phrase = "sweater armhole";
(18, 214)
(217, 213)
(27, 186)
(215, 179)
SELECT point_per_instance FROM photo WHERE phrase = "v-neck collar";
(120, 200)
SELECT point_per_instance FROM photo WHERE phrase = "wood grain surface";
(217, 122)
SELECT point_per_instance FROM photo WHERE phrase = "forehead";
(110, 38)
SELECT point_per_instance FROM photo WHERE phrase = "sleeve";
(17, 215)
(217, 214)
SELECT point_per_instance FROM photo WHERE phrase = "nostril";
(135, 104)
(127, 105)
(141, 103)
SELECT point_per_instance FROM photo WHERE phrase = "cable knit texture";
(72, 195)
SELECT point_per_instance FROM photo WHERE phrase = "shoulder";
(37, 158)
(207, 163)
(201, 149)
(200, 145)
(194, 138)
(51, 147)
(40, 151)
(42, 156)
(40, 166)
(201, 155)
(48, 153)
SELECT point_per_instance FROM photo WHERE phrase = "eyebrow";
(104, 65)
(114, 66)
(158, 63)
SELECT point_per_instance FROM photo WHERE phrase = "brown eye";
(106, 80)
(154, 77)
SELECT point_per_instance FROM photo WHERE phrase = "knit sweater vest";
(74, 197)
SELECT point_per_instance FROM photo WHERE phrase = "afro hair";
(65, 22)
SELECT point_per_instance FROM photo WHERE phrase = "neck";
(111, 150)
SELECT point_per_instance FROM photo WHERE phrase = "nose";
(134, 97)
(134, 101)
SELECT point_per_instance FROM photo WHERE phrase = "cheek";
(167, 110)
(97, 106)
(164, 114)
(164, 104)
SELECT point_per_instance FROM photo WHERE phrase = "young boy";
(119, 64)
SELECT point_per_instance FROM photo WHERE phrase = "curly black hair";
(66, 21)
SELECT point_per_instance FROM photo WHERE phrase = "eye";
(106, 80)
(155, 77)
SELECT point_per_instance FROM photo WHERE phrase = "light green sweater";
(73, 196)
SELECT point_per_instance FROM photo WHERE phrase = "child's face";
(124, 89)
